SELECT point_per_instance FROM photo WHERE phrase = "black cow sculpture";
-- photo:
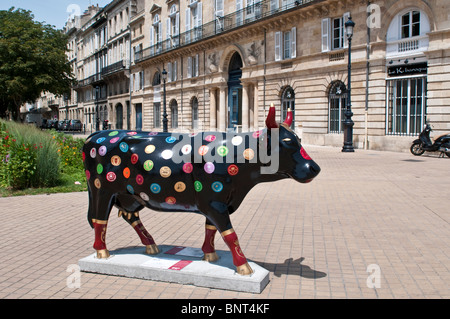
(208, 173)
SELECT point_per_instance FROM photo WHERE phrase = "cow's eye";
(286, 139)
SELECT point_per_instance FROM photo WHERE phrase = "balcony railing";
(407, 46)
(112, 68)
(250, 14)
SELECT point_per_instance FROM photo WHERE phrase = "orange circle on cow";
(203, 150)
(126, 172)
(165, 171)
(115, 160)
(97, 183)
(249, 154)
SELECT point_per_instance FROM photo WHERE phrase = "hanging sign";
(408, 69)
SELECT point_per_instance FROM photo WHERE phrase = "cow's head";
(294, 162)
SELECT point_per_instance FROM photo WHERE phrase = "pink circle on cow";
(210, 138)
(257, 134)
(102, 150)
(131, 133)
(93, 152)
(88, 174)
(111, 177)
(188, 168)
(209, 167)
(134, 158)
(113, 140)
(139, 179)
(153, 133)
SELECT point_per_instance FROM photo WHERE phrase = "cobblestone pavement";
(371, 225)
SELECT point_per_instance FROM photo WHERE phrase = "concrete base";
(183, 265)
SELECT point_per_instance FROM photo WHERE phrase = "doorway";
(235, 92)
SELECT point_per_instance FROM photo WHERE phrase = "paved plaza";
(371, 225)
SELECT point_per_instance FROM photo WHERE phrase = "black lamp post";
(164, 76)
(348, 123)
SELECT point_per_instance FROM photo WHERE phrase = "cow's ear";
(270, 120)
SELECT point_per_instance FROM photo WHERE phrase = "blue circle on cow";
(123, 147)
(155, 188)
(170, 139)
(130, 189)
(217, 187)
(101, 139)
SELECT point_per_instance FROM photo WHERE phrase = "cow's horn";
(289, 118)
(270, 120)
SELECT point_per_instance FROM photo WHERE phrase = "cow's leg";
(133, 219)
(239, 260)
(100, 204)
(208, 245)
(100, 236)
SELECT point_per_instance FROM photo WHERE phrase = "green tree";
(32, 60)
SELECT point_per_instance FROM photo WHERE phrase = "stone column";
(212, 109)
(245, 90)
(222, 108)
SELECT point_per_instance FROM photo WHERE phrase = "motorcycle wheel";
(416, 149)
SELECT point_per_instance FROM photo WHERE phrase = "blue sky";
(54, 12)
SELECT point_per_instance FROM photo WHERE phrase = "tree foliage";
(32, 60)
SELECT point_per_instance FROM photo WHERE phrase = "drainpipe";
(366, 110)
(264, 76)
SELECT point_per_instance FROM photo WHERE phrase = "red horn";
(270, 120)
(289, 118)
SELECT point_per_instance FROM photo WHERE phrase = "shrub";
(29, 157)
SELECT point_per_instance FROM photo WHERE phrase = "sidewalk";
(371, 225)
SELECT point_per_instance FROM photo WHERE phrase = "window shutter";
(188, 24)
(199, 14)
(189, 67)
(344, 19)
(274, 4)
(159, 32)
(177, 24)
(168, 29)
(277, 46)
(174, 70)
(326, 35)
(196, 73)
(169, 72)
(294, 42)
(152, 35)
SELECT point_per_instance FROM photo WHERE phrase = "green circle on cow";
(99, 168)
(198, 186)
(114, 133)
(148, 165)
(222, 151)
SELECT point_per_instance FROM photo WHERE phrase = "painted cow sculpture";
(208, 173)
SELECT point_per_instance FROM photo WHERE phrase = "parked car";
(74, 125)
(62, 125)
(52, 124)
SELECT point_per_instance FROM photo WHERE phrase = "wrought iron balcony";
(237, 19)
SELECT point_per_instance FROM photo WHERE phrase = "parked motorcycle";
(424, 144)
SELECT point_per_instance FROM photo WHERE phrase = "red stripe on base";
(180, 265)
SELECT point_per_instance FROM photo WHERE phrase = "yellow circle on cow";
(149, 149)
(165, 171)
(115, 160)
(180, 187)
(249, 154)
(97, 183)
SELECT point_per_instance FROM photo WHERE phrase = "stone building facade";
(221, 63)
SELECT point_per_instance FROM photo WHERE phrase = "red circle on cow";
(171, 200)
(188, 168)
(233, 169)
(134, 158)
(111, 177)
(139, 179)
(126, 172)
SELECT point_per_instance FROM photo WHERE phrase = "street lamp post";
(164, 76)
(348, 123)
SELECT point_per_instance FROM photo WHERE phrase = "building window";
(156, 79)
(173, 27)
(193, 21)
(174, 114)
(193, 66)
(156, 35)
(172, 71)
(194, 113)
(333, 33)
(406, 106)
(286, 44)
(410, 24)
(288, 102)
(337, 99)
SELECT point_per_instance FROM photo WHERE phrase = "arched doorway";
(119, 116)
(288, 102)
(235, 91)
